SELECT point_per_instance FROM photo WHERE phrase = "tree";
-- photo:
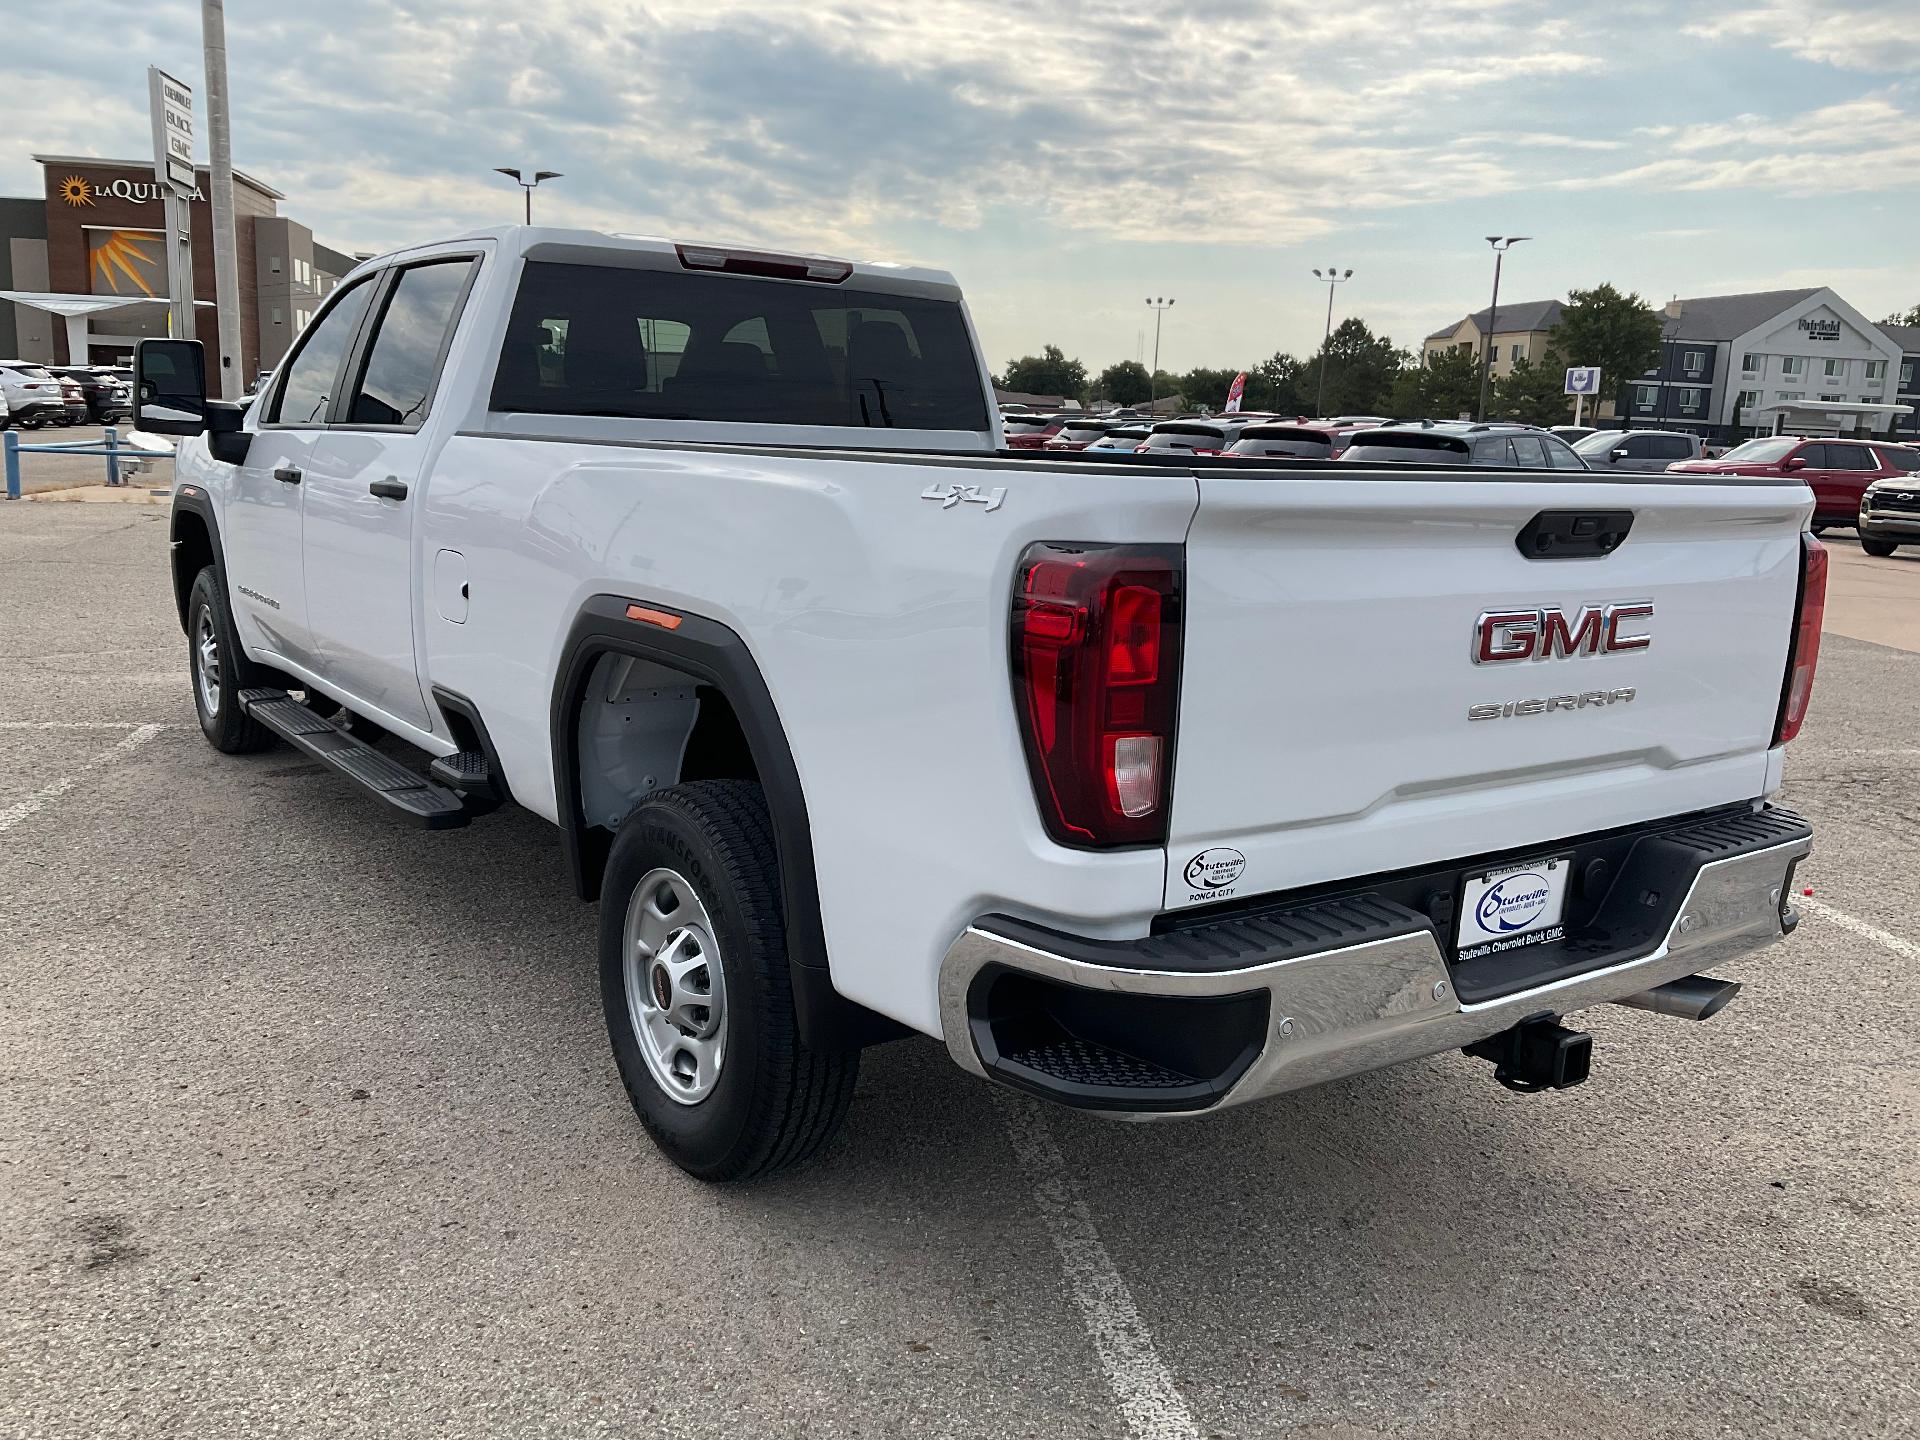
(1446, 387)
(1532, 394)
(1361, 368)
(1619, 333)
(1048, 373)
(1125, 384)
(1204, 389)
(1274, 384)
(1912, 317)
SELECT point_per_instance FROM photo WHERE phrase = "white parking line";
(82, 725)
(26, 809)
(1905, 949)
(1139, 1379)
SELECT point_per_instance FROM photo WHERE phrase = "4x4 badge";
(951, 495)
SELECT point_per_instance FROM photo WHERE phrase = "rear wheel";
(220, 671)
(698, 1000)
(1881, 548)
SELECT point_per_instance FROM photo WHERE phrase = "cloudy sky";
(1067, 158)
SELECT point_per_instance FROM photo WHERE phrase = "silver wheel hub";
(676, 988)
(206, 661)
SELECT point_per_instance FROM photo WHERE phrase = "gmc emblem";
(1546, 634)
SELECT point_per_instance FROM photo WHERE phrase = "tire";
(1818, 527)
(219, 677)
(1880, 548)
(726, 1096)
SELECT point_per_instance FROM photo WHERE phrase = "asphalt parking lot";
(309, 1128)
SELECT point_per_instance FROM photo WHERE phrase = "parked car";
(1837, 471)
(35, 396)
(1639, 449)
(1184, 437)
(1030, 432)
(1572, 434)
(1300, 442)
(1462, 443)
(108, 397)
(1124, 438)
(739, 712)
(74, 397)
(1077, 434)
(1890, 509)
(6, 411)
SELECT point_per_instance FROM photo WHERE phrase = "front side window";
(1814, 457)
(404, 359)
(1562, 458)
(306, 395)
(685, 345)
(1529, 452)
(1493, 450)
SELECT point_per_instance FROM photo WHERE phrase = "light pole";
(1333, 277)
(527, 185)
(1153, 376)
(1501, 244)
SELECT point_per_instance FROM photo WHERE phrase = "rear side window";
(404, 360)
(1900, 458)
(1850, 457)
(674, 345)
(306, 395)
(1674, 447)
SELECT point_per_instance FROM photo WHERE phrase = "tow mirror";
(170, 387)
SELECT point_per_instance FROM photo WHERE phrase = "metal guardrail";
(108, 445)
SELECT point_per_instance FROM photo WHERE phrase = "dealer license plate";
(1514, 906)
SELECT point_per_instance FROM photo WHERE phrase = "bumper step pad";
(407, 793)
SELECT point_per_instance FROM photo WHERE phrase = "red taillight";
(1096, 670)
(1804, 657)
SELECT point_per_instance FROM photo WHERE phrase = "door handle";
(287, 475)
(388, 489)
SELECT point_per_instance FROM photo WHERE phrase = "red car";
(1078, 434)
(1838, 471)
(1030, 432)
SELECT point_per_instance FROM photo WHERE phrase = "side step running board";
(411, 796)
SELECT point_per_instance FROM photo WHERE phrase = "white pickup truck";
(1147, 784)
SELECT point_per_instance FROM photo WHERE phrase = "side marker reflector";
(661, 618)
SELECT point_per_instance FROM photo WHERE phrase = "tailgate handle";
(1573, 534)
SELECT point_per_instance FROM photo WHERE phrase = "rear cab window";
(690, 345)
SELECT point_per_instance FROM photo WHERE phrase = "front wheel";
(219, 670)
(698, 1000)
(1879, 548)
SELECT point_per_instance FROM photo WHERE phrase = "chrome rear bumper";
(1353, 1008)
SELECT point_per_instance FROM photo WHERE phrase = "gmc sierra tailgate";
(1388, 669)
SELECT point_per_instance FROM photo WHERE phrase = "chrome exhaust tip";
(1691, 997)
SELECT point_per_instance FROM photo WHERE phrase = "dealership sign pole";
(172, 105)
(1582, 381)
(226, 265)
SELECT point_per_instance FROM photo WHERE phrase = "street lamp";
(1332, 277)
(527, 185)
(1153, 379)
(1501, 244)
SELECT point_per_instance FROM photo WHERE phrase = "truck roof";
(581, 246)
